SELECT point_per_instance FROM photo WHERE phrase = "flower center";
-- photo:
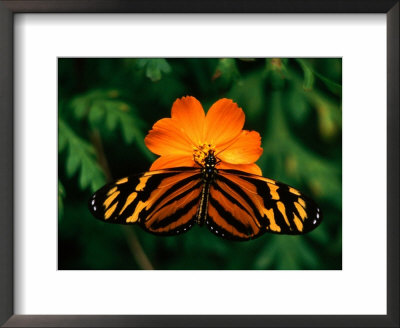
(201, 152)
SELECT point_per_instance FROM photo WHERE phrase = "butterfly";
(232, 204)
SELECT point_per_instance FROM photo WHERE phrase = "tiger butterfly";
(232, 204)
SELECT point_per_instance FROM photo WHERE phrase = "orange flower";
(186, 138)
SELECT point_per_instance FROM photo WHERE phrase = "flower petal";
(224, 121)
(166, 138)
(189, 116)
(249, 168)
(245, 150)
(172, 161)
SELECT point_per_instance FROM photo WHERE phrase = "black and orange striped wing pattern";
(243, 206)
(238, 205)
(162, 202)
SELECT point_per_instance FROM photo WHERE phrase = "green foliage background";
(106, 107)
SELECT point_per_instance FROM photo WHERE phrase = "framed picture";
(231, 127)
(263, 88)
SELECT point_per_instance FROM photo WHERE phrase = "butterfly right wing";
(243, 206)
(162, 202)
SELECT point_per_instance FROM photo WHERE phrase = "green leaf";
(154, 67)
(308, 76)
(320, 175)
(86, 173)
(111, 119)
(130, 131)
(293, 253)
(61, 196)
(298, 106)
(226, 72)
(73, 162)
(81, 104)
(334, 87)
(80, 107)
(96, 114)
(249, 92)
(81, 159)
(328, 108)
(276, 71)
(106, 109)
(97, 180)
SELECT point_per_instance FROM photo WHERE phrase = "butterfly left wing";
(162, 202)
(243, 206)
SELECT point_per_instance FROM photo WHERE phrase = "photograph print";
(200, 163)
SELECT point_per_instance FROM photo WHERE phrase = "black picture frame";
(8, 200)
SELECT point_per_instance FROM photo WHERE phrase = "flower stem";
(133, 242)
(137, 249)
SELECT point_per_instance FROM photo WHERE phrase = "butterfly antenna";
(228, 145)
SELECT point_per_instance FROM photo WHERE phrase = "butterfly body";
(209, 173)
(232, 204)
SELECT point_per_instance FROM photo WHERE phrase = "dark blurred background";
(107, 106)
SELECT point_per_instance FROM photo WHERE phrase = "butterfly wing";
(243, 206)
(163, 202)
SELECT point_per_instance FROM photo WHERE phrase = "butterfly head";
(210, 160)
(209, 169)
